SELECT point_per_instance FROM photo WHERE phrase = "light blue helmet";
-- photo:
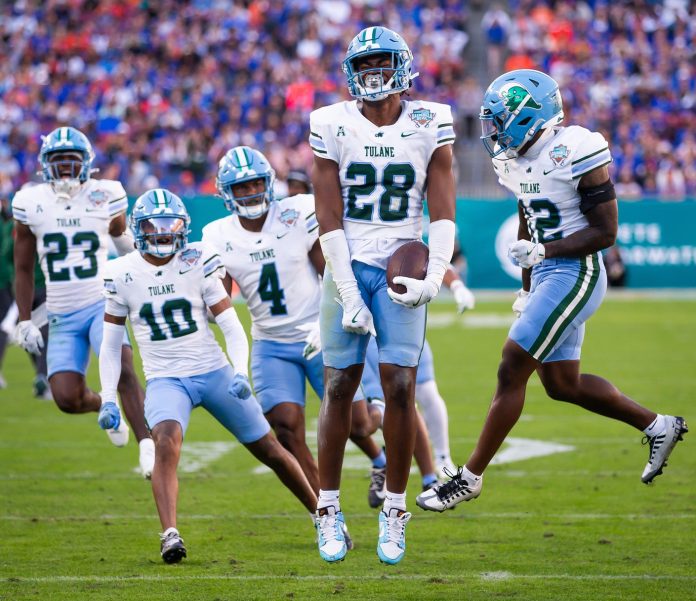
(371, 84)
(160, 223)
(515, 107)
(243, 164)
(64, 172)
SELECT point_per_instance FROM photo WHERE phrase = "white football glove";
(524, 253)
(312, 342)
(418, 292)
(357, 318)
(29, 337)
(520, 302)
(462, 296)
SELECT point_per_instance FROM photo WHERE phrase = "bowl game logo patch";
(190, 256)
(97, 198)
(559, 154)
(289, 217)
(422, 117)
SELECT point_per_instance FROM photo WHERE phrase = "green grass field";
(76, 522)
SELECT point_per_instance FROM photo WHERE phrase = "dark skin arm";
(523, 234)
(327, 195)
(24, 255)
(603, 224)
(117, 225)
(440, 184)
(316, 258)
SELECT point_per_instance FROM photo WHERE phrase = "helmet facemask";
(249, 198)
(65, 171)
(373, 83)
(161, 235)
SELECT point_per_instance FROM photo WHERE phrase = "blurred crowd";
(164, 88)
(627, 69)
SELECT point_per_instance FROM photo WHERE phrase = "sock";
(380, 406)
(428, 479)
(381, 460)
(328, 498)
(658, 425)
(434, 411)
(394, 500)
(467, 475)
(170, 530)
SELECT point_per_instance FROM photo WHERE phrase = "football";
(409, 260)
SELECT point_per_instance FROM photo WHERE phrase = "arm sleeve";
(110, 360)
(124, 243)
(441, 245)
(235, 340)
(337, 254)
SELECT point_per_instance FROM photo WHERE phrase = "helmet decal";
(515, 96)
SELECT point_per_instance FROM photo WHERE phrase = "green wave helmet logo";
(516, 96)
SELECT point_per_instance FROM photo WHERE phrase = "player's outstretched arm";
(24, 256)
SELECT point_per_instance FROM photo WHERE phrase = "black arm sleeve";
(591, 197)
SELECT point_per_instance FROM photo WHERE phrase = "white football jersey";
(72, 238)
(166, 305)
(545, 180)
(382, 171)
(272, 268)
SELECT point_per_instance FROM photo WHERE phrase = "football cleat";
(444, 463)
(377, 490)
(449, 494)
(331, 537)
(348, 537)
(391, 544)
(661, 445)
(147, 457)
(172, 546)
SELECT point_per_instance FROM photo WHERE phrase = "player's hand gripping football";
(418, 292)
(29, 337)
(525, 253)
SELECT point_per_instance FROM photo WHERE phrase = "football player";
(271, 250)
(67, 220)
(567, 216)
(376, 159)
(165, 289)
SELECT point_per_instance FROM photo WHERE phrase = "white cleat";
(119, 436)
(391, 544)
(661, 445)
(451, 493)
(147, 457)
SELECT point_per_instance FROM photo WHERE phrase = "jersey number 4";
(171, 309)
(57, 243)
(397, 181)
(270, 290)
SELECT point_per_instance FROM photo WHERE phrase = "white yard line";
(446, 578)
